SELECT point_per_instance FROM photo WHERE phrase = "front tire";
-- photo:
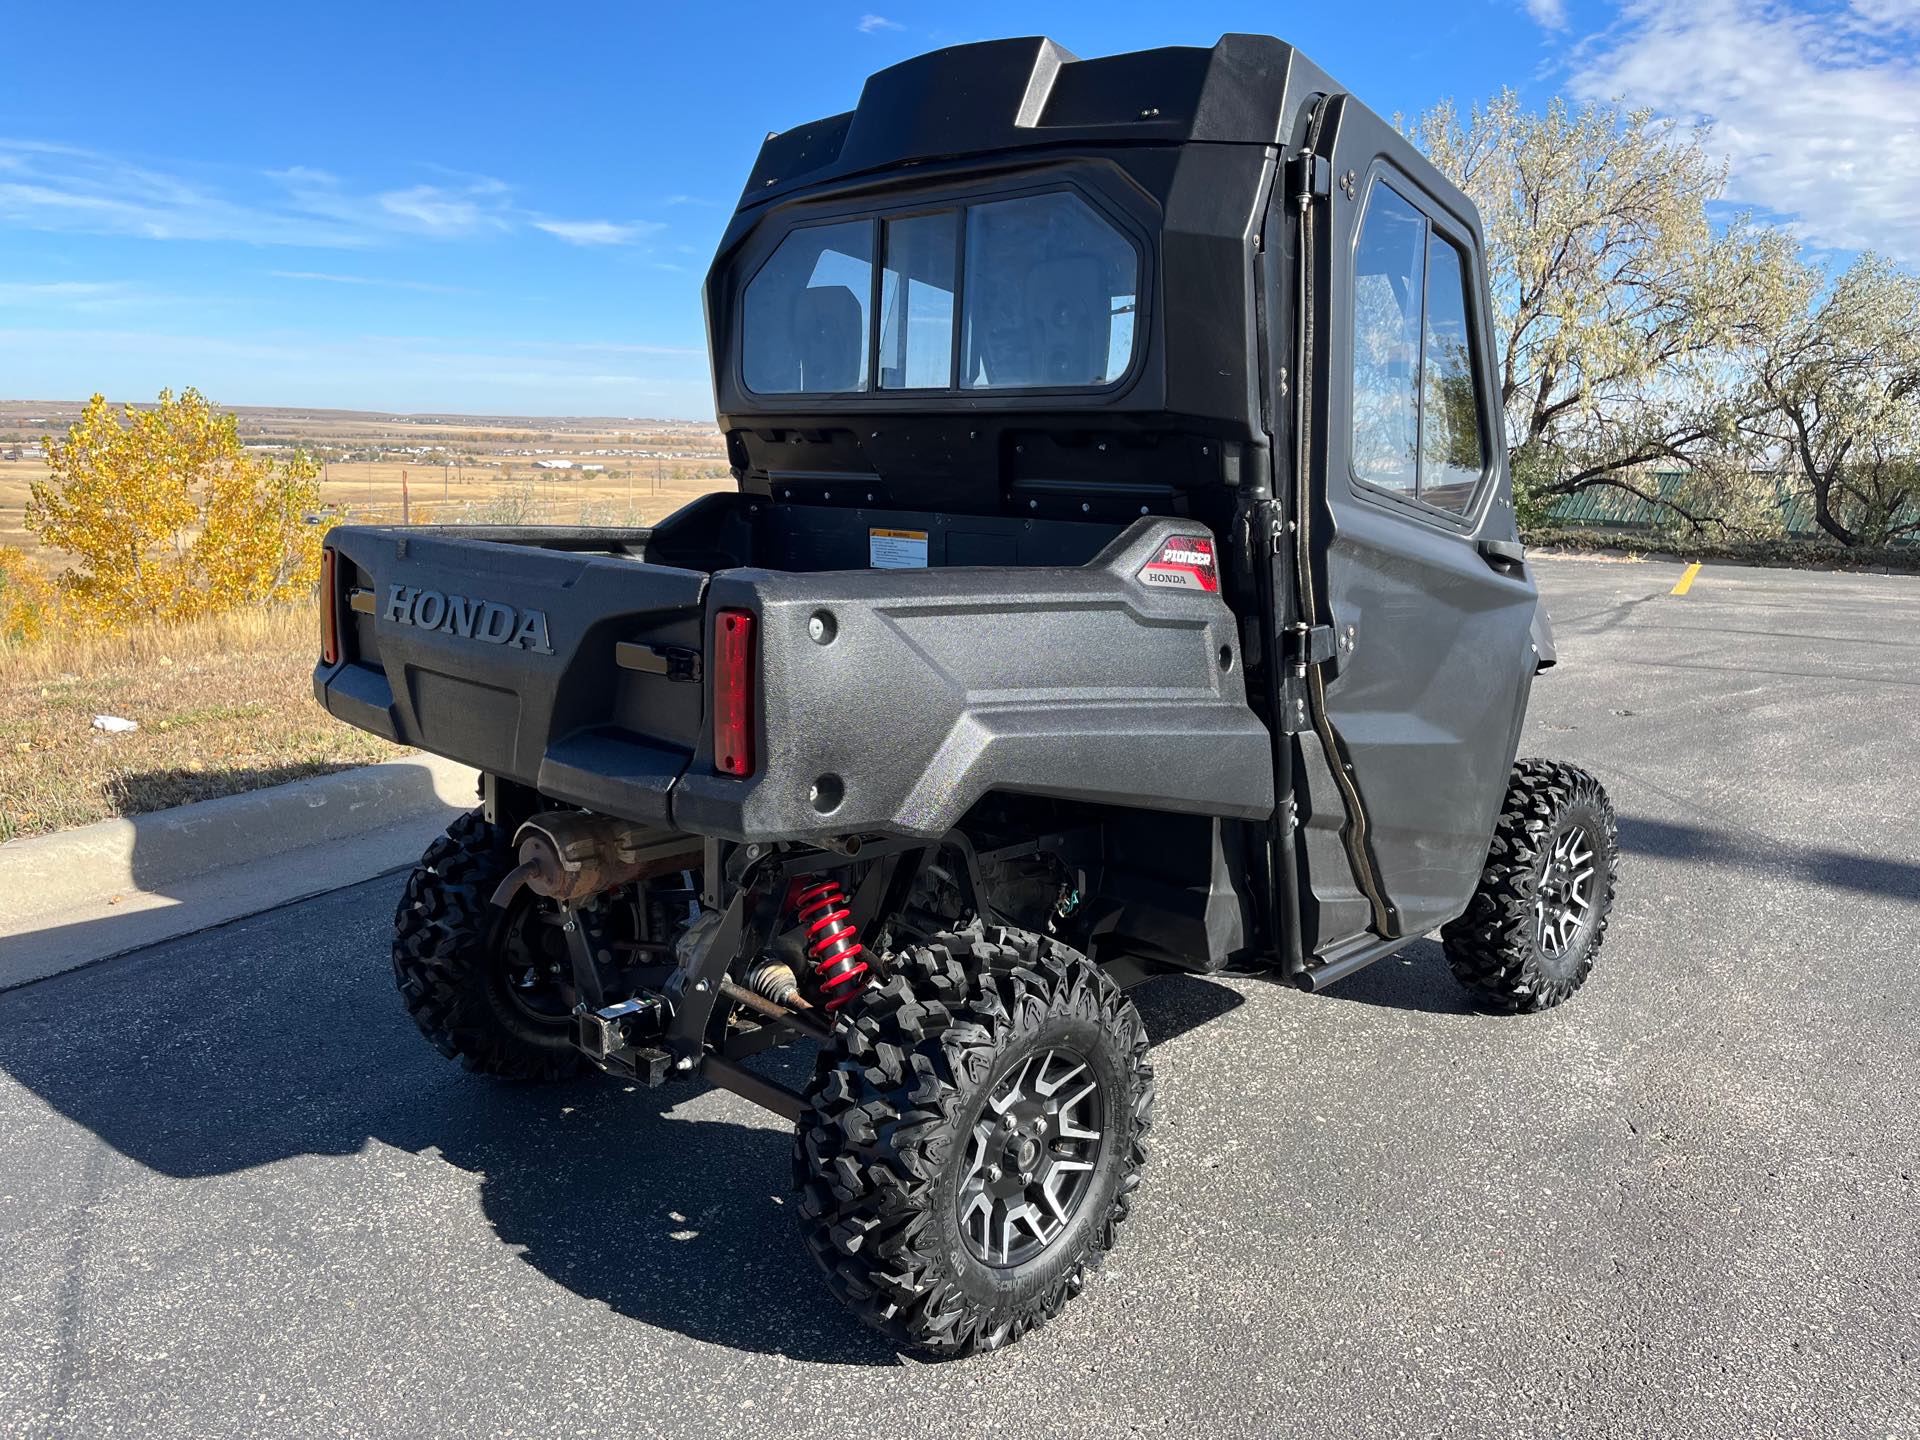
(973, 1139)
(1531, 933)
(487, 986)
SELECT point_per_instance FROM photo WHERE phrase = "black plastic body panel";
(569, 722)
(1175, 146)
(941, 684)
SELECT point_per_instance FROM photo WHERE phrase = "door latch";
(676, 662)
(1309, 645)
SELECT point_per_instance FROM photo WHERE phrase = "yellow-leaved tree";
(168, 516)
(25, 599)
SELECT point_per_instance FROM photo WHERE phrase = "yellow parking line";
(1686, 580)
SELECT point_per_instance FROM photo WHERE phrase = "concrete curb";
(84, 894)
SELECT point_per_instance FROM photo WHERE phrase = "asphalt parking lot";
(238, 1194)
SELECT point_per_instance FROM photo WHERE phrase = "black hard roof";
(1002, 95)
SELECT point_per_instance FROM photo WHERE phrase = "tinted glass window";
(1389, 270)
(1049, 297)
(916, 302)
(1416, 413)
(1451, 456)
(804, 329)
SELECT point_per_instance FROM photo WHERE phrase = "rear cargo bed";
(1006, 654)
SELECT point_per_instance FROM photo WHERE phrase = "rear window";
(1035, 292)
(806, 312)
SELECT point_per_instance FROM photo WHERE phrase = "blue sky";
(509, 207)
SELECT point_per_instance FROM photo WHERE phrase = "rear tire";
(1531, 932)
(958, 1175)
(457, 955)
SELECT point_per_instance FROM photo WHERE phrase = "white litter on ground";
(114, 725)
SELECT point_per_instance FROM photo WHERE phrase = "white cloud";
(85, 297)
(332, 279)
(69, 189)
(1547, 14)
(1892, 14)
(870, 24)
(16, 292)
(599, 232)
(475, 205)
(66, 188)
(1817, 114)
(438, 211)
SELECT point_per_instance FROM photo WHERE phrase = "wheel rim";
(1563, 904)
(534, 967)
(1031, 1157)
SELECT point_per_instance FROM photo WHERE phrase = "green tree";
(1842, 384)
(1623, 314)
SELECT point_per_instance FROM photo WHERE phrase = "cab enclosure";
(1122, 533)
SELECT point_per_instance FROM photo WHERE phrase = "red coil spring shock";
(833, 942)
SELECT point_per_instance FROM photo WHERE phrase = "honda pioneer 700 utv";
(1121, 579)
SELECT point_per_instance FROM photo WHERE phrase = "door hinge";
(1309, 177)
(1309, 644)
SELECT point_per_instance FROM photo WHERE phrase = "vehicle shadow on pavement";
(1829, 868)
(208, 1058)
(1415, 978)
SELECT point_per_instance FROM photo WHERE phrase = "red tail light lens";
(733, 667)
(329, 611)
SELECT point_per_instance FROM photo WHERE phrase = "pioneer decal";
(1185, 562)
(470, 619)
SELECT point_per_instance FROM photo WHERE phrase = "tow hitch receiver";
(608, 1037)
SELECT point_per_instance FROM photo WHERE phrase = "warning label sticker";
(897, 549)
(1185, 562)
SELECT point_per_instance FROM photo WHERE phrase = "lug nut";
(1039, 1126)
(1026, 1177)
(993, 1173)
(1008, 1122)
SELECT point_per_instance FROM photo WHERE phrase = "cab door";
(1416, 660)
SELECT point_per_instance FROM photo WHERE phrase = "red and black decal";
(1185, 562)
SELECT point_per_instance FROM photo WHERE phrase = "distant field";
(224, 705)
(457, 468)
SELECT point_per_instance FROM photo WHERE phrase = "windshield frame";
(880, 206)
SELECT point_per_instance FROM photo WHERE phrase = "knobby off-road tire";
(451, 963)
(1529, 937)
(892, 1146)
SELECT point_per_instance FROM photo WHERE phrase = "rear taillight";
(733, 665)
(329, 611)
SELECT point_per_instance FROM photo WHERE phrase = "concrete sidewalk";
(101, 890)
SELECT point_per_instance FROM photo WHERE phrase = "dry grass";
(223, 706)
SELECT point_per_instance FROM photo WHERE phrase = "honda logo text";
(468, 618)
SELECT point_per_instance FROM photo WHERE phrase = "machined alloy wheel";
(1031, 1157)
(1563, 908)
(1529, 935)
(973, 1138)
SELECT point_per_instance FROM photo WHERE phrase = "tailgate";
(546, 660)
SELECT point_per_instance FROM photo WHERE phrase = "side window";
(1416, 413)
(1451, 455)
(805, 324)
(1388, 274)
